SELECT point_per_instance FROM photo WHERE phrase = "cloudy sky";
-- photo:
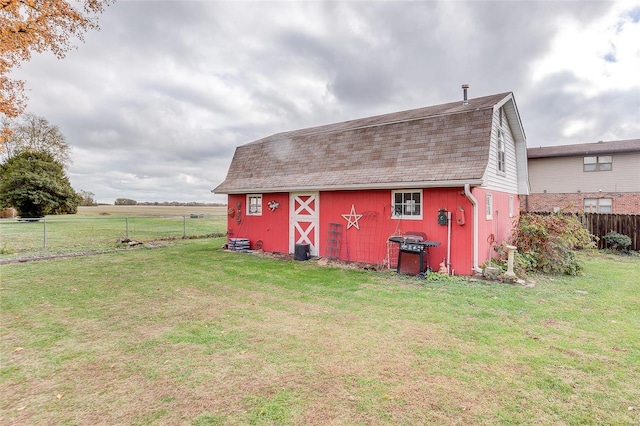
(154, 104)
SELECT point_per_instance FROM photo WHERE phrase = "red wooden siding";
(498, 229)
(272, 227)
(461, 235)
(368, 244)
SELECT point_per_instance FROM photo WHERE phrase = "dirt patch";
(320, 261)
(36, 257)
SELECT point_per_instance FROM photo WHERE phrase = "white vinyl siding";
(502, 169)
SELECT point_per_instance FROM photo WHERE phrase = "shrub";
(617, 241)
(437, 277)
(546, 243)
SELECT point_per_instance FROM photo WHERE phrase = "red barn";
(454, 172)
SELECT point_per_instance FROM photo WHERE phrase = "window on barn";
(598, 205)
(406, 204)
(489, 206)
(254, 205)
(501, 149)
(600, 163)
(502, 155)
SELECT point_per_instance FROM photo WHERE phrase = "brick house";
(602, 177)
(345, 188)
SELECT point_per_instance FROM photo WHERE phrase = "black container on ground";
(302, 252)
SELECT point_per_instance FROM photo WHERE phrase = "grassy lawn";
(191, 334)
(100, 228)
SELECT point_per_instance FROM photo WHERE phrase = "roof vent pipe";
(464, 94)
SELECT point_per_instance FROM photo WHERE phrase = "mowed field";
(190, 334)
(100, 228)
(144, 210)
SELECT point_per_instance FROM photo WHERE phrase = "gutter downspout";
(448, 243)
(474, 203)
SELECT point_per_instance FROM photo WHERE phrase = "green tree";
(35, 184)
(125, 202)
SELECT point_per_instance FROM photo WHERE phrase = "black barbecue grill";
(413, 255)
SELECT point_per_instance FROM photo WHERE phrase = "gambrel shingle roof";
(441, 145)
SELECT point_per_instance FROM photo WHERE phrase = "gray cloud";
(155, 103)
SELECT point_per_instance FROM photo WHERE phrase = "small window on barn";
(254, 205)
(598, 205)
(598, 163)
(489, 206)
(502, 155)
(406, 204)
(501, 149)
(511, 206)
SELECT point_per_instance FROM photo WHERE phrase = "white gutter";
(448, 243)
(352, 187)
(474, 202)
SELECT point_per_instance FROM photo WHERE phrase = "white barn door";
(303, 222)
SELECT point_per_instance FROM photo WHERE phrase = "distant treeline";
(130, 202)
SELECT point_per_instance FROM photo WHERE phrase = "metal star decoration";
(352, 218)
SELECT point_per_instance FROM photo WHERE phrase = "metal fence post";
(44, 237)
(184, 227)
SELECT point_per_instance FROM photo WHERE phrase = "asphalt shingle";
(448, 142)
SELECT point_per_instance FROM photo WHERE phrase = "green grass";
(103, 228)
(191, 334)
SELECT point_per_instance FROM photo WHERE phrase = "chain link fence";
(23, 238)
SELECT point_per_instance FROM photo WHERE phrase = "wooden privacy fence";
(600, 224)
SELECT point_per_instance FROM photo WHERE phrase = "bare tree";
(34, 133)
(88, 198)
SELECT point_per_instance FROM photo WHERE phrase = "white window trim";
(248, 203)
(406, 217)
(511, 206)
(489, 206)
